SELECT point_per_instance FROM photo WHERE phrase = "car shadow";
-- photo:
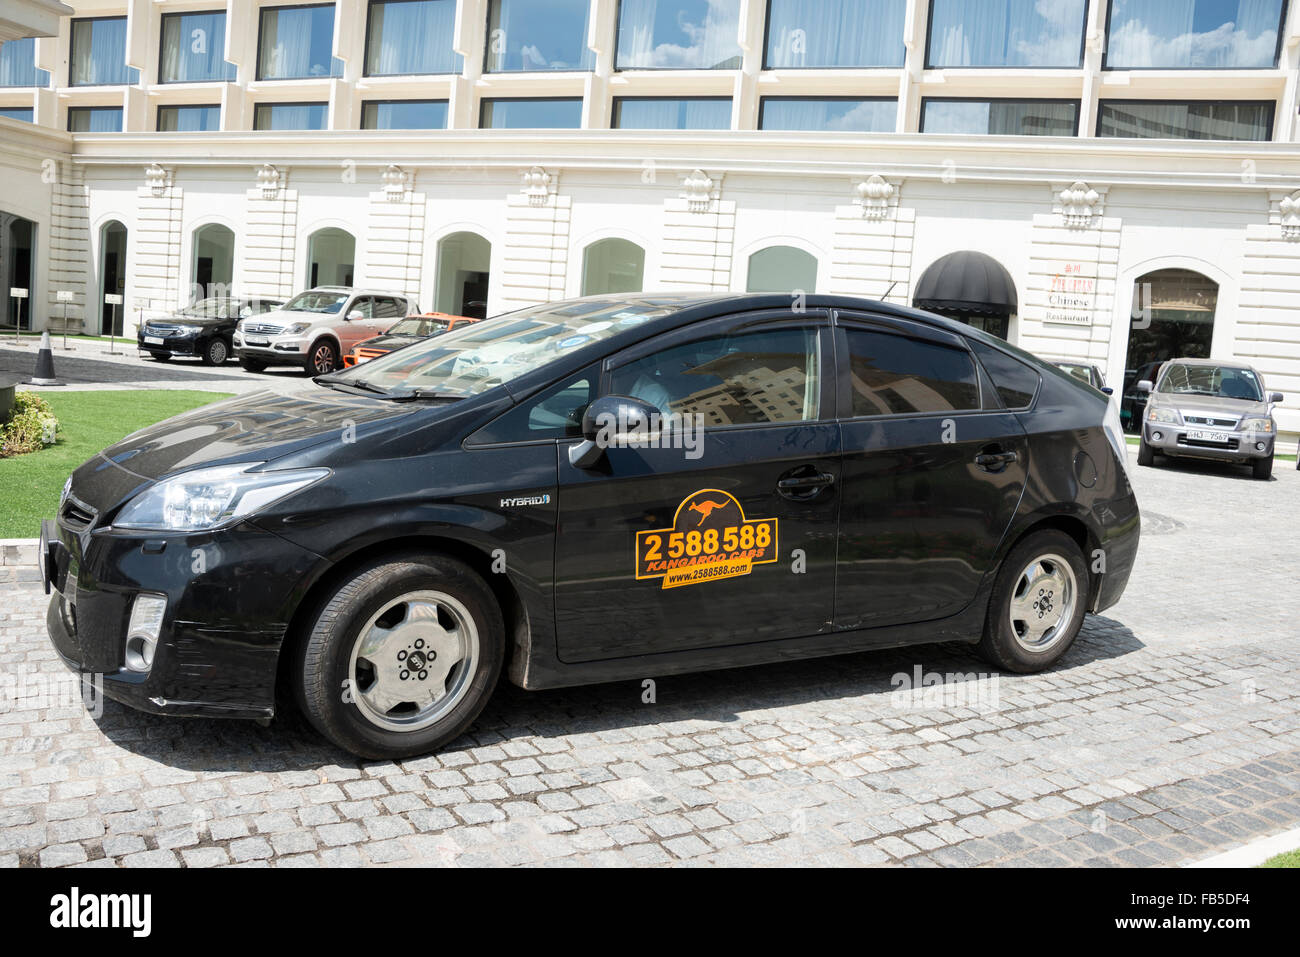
(289, 743)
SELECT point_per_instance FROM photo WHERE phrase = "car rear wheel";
(1146, 455)
(1038, 603)
(252, 365)
(402, 657)
(1263, 468)
(216, 352)
(324, 358)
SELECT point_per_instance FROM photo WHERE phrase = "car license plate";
(1201, 435)
(255, 340)
(153, 340)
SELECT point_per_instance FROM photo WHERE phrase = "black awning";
(967, 281)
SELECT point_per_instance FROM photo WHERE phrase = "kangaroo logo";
(705, 508)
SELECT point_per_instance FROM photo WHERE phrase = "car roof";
(358, 291)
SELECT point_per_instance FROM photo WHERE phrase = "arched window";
(17, 256)
(464, 265)
(612, 265)
(782, 269)
(331, 257)
(112, 275)
(214, 261)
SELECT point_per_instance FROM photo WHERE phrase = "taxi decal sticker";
(710, 539)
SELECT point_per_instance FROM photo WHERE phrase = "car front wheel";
(1146, 455)
(1038, 603)
(1263, 468)
(324, 358)
(215, 353)
(401, 657)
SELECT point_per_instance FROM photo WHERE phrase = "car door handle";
(995, 461)
(804, 486)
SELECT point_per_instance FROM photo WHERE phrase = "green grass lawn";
(1289, 859)
(30, 484)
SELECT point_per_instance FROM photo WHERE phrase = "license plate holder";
(154, 340)
(256, 340)
(1205, 435)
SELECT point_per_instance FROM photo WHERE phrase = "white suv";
(316, 328)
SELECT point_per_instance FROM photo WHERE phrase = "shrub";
(32, 426)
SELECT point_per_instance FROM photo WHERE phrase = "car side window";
(733, 379)
(556, 413)
(387, 307)
(364, 305)
(1016, 382)
(894, 374)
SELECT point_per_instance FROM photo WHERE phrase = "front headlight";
(1257, 424)
(210, 498)
(296, 329)
(1169, 416)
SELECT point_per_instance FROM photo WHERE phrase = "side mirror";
(613, 421)
(1107, 390)
(1275, 397)
(354, 315)
(1144, 385)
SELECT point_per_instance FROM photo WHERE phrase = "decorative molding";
(397, 182)
(269, 181)
(1078, 203)
(874, 194)
(700, 190)
(1289, 208)
(539, 185)
(158, 179)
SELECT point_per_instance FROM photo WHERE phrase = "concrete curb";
(18, 560)
(1254, 853)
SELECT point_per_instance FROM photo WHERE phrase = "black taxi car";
(591, 490)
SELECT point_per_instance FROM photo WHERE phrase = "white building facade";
(1131, 167)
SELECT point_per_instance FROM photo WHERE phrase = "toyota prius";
(592, 490)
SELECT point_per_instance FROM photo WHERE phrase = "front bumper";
(230, 597)
(170, 346)
(273, 350)
(1228, 446)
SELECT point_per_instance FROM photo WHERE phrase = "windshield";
(1227, 382)
(475, 357)
(217, 308)
(419, 327)
(328, 302)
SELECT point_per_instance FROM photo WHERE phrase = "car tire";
(160, 357)
(216, 352)
(355, 663)
(323, 359)
(1263, 468)
(252, 365)
(1039, 599)
(1146, 454)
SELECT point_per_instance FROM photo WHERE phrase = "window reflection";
(678, 35)
(1180, 34)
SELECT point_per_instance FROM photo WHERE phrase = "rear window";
(896, 374)
(1015, 381)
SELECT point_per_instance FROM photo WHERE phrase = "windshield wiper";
(360, 385)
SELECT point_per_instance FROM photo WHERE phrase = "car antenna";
(889, 290)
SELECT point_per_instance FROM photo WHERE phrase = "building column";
(271, 233)
(699, 235)
(159, 281)
(871, 254)
(70, 266)
(395, 238)
(536, 248)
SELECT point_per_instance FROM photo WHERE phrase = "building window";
(410, 37)
(657, 113)
(678, 35)
(1191, 34)
(612, 266)
(404, 115)
(782, 269)
(525, 36)
(98, 53)
(1205, 120)
(18, 65)
(23, 113)
(834, 33)
(192, 48)
(94, 119)
(532, 113)
(1000, 117)
(289, 116)
(294, 43)
(1015, 33)
(189, 119)
(835, 114)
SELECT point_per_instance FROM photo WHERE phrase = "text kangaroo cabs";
(597, 489)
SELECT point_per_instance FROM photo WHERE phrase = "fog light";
(1156, 436)
(1259, 446)
(143, 630)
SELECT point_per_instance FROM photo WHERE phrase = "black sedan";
(204, 329)
(584, 491)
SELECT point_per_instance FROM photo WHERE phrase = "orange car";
(408, 330)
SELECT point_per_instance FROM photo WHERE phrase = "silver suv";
(316, 328)
(1205, 409)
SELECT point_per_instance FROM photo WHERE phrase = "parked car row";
(320, 330)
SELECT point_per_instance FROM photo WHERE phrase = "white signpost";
(16, 292)
(113, 299)
(65, 296)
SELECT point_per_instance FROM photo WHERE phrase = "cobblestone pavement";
(1168, 733)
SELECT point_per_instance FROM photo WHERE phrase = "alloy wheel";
(1042, 602)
